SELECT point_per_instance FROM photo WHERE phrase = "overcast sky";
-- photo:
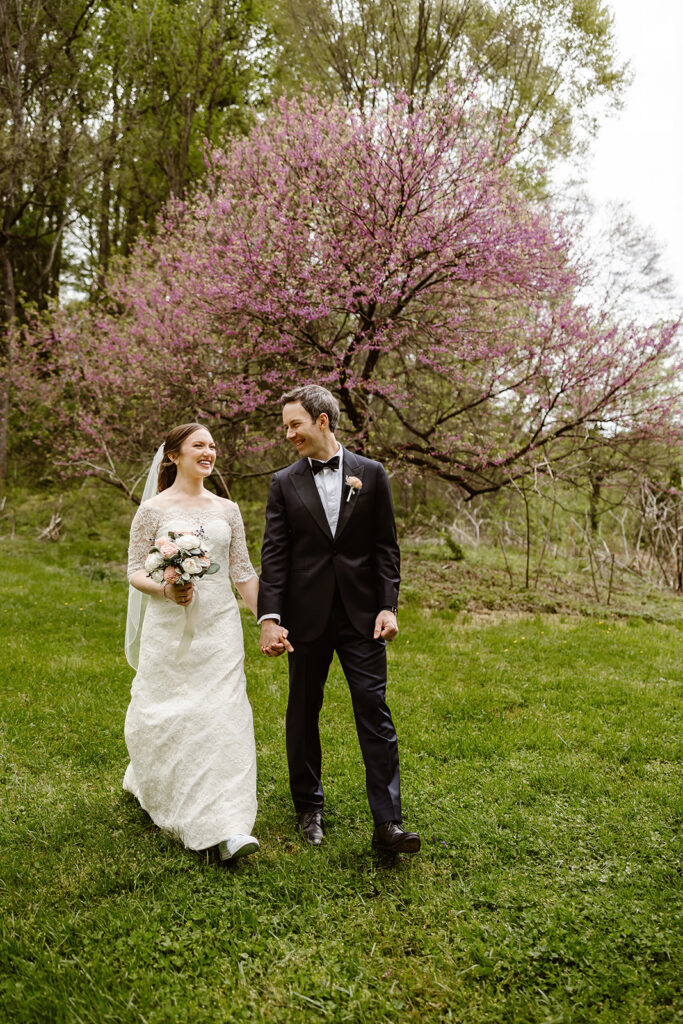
(638, 155)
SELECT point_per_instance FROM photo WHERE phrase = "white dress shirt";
(329, 483)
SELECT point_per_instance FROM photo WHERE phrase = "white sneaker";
(237, 846)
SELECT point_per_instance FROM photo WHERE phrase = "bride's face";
(197, 455)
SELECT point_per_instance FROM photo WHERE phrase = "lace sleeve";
(143, 532)
(241, 568)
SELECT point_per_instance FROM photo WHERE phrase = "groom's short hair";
(315, 400)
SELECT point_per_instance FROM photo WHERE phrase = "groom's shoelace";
(317, 465)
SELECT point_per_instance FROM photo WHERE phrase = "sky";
(638, 155)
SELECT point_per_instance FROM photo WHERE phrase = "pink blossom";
(390, 256)
(166, 547)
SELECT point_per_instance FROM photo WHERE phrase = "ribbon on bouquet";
(190, 623)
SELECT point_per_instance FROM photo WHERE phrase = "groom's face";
(308, 436)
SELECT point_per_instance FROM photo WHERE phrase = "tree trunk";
(594, 504)
(104, 240)
(7, 320)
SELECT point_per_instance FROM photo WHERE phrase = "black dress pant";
(364, 663)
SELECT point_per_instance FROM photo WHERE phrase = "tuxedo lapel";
(302, 478)
(352, 467)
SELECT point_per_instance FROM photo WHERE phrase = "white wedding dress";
(189, 728)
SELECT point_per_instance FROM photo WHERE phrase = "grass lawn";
(541, 764)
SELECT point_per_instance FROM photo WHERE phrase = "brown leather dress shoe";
(391, 837)
(311, 827)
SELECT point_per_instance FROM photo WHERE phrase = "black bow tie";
(317, 465)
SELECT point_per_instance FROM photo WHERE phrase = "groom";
(329, 582)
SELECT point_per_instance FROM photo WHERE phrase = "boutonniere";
(354, 484)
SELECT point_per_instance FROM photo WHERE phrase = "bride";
(189, 728)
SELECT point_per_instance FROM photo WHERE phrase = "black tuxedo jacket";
(302, 563)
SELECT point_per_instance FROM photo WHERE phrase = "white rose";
(192, 565)
(187, 542)
(153, 561)
(157, 575)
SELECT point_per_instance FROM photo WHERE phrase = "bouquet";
(180, 558)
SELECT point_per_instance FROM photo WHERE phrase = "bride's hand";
(181, 593)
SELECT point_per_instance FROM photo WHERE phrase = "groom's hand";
(386, 627)
(274, 640)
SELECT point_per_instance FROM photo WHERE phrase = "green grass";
(482, 582)
(541, 763)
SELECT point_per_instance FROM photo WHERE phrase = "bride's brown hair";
(172, 445)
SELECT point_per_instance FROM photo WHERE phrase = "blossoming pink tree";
(389, 257)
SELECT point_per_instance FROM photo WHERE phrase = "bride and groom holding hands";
(329, 582)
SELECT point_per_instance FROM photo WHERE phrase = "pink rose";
(203, 560)
(171, 574)
(167, 548)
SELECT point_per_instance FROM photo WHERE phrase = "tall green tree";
(46, 101)
(176, 73)
(547, 68)
(105, 106)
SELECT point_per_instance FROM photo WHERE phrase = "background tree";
(391, 256)
(105, 106)
(548, 67)
(176, 74)
(46, 97)
(628, 276)
(624, 277)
